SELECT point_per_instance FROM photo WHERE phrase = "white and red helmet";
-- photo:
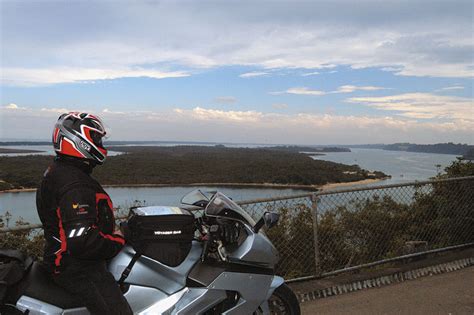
(80, 135)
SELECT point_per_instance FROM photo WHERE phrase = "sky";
(273, 72)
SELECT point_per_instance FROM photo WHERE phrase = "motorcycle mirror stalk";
(269, 219)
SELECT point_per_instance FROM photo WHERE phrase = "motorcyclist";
(77, 216)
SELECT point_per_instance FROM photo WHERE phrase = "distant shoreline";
(13, 151)
(331, 186)
(309, 188)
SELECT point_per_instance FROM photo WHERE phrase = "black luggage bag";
(164, 234)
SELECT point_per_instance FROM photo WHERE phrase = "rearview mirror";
(269, 219)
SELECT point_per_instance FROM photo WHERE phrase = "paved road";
(450, 293)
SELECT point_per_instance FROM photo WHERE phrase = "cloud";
(307, 74)
(111, 112)
(44, 76)
(11, 106)
(93, 42)
(304, 91)
(353, 88)
(198, 123)
(56, 110)
(341, 89)
(253, 74)
(423, 106)
(225, 100)
(216, 115)
(451, 88)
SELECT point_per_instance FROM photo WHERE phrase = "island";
(184, 165)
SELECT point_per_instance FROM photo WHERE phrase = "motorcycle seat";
(40, 286)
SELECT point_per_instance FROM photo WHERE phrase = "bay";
(22, 204)
(402, 166)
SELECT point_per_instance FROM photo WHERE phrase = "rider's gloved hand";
(229, 232)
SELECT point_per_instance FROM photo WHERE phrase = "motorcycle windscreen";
(221, 206)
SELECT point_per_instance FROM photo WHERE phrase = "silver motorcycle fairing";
(252, 288)
(151, 273)
(198, 300)
(140, 298)
(37, 307)
(255, 248)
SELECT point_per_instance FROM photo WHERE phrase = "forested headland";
(193, 164)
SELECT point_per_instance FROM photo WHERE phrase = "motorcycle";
(207, 257)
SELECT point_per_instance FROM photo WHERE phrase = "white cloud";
(305, 91)
(309, 35)
(252, 126)
(451, 88)
(341, 89)
(11, 106)
(45, 76)
(253, 74)
(55, 110)
(111, 112)
(307, 74)
(216, 115)
(423, 106)
(353, 88)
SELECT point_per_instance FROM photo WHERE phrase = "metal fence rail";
(329, 232)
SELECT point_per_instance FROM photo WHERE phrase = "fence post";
(314, 214)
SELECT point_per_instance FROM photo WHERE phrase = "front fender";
(276, 282)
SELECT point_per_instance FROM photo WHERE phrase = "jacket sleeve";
(78, 214)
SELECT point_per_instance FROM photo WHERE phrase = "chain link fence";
(328, 232)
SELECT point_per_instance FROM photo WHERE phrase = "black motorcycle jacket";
(77, 216)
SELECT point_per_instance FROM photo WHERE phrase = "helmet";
(80, 135)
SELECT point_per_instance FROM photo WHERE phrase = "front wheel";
(283, 302)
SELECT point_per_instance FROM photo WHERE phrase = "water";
(44, 150)
(48, 149)
(23, 203)
(402, 166)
